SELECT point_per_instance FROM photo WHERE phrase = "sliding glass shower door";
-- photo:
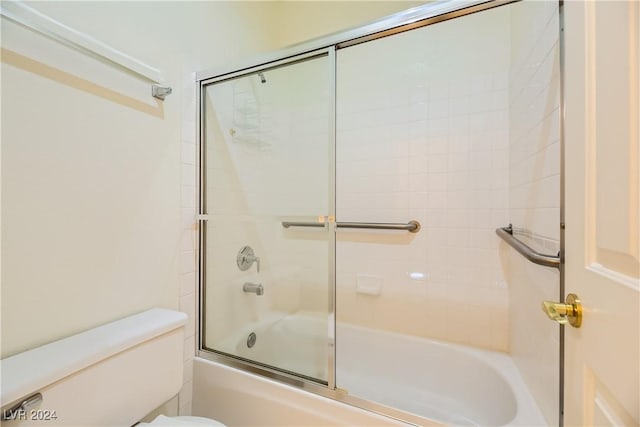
(266, 162)
(350, 198)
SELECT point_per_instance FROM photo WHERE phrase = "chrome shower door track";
(400, 22)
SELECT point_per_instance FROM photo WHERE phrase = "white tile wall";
(534, 198)
(188, 279)
(423, 127)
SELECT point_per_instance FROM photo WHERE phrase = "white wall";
(534, 198)
(423, 134)
(91, 164)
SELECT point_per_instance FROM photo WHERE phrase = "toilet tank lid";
(28, 372)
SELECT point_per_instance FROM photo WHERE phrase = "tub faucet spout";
(255, 288)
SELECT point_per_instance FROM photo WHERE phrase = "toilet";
(112, 375)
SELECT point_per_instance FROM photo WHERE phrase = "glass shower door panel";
(267, 162)
(453, 125)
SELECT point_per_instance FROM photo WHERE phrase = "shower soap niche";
(368, 284)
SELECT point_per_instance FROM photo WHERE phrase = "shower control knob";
(246, 257)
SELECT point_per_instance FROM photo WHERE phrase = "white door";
(602, 188)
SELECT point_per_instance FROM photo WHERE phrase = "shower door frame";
(394, 24)
(252, 366)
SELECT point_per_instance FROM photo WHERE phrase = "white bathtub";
(448, 383)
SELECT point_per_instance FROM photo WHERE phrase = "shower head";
(262, 79)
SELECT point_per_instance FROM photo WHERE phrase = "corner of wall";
(188, 247)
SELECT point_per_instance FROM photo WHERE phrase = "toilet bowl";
(182, 421)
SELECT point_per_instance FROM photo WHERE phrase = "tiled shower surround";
(534, 195)
(423, 133)
(454, 125)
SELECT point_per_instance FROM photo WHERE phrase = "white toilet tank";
(112, 375)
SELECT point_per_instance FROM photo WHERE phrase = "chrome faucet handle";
(257, 261)
(246, 257)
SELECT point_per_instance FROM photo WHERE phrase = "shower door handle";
(569, 312)
(412, 226)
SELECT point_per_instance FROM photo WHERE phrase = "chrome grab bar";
(506, 234)
(287, 224)
(412, 226)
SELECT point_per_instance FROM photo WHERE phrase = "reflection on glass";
(267, 161)
(453, 125)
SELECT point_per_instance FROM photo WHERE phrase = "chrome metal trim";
(288, 224)
(246, 257)
(253, 288)
(336, 394)
(203, 217)
(202, 238)
(416, 17)
(412, 226)
(331, 279)
(561, 54)
(272, 372)
(506, 234)
(422, 22)
(160, 92)
(259, 67)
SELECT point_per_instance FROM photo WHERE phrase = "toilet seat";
(183, 421)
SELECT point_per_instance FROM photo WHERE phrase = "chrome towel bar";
(506, 234)
(412, 226)
(25, 15)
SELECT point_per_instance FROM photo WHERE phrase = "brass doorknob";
(570, 312)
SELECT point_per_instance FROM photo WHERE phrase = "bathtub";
(450, 383)
(437, 382)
